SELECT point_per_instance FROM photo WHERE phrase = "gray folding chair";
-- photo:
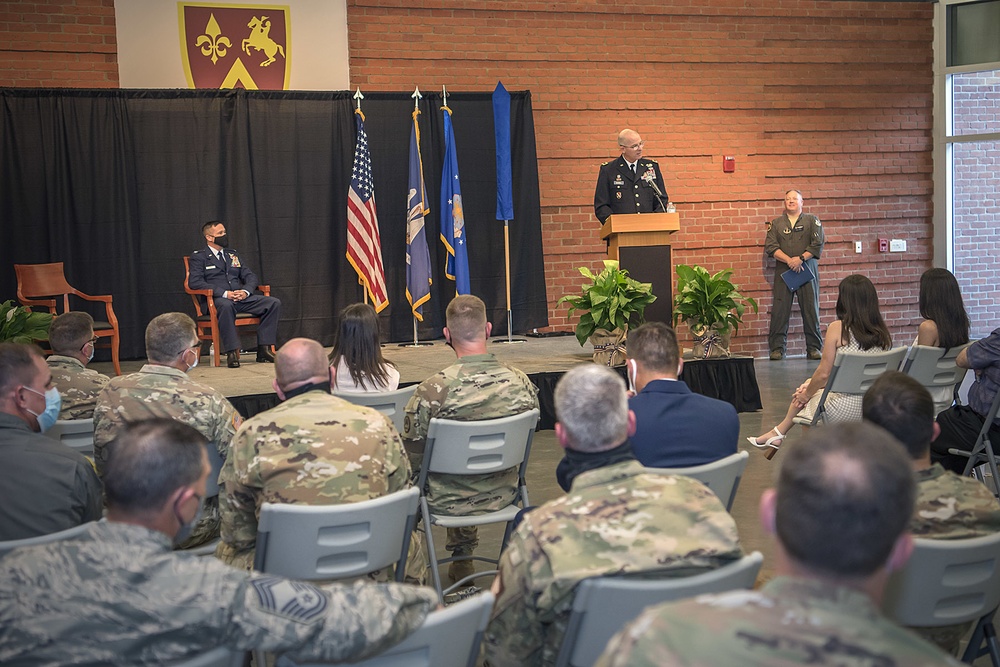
(9, 545)
(77, 434)
(211, 491)
(313, 542)
(474, 448)
(390, 403)
(722, 476)
(853, 373)
(603, 605)
(935, 367)
(982, 449)
(449, 637)
(217, 657)
(336, 541)
(947, 582)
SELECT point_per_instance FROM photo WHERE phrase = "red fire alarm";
(728, 164)
(883, 245)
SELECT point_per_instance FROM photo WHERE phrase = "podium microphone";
(651, 180)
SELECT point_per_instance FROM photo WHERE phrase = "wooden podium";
(641, 244)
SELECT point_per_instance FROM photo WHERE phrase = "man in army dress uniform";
(118, 595)
(625, 185)
(795, 240)
(949, 506)
(71, 336)
(162, 388)
(476, 387)
(840, 513)
(313, 448)
(616, 519)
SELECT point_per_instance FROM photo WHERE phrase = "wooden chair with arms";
(207, 318)
(40, 284)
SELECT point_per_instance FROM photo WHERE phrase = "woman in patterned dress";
(859, 328)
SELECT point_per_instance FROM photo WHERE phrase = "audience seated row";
(584, 396)
(831, 565)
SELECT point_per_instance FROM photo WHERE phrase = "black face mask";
(222, 241)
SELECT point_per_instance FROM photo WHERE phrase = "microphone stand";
(658, 193)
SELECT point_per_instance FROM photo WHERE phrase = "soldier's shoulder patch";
(196, 252)
(237, 420)
(605, 164)
(818, 223)
(294, 600)
(651, 161)
(768, 225)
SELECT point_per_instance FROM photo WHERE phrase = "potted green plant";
(19, 324)
(607, 302)
(711, 306)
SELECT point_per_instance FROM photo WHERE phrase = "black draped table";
(732, 380)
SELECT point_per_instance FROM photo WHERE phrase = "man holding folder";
(795, 240)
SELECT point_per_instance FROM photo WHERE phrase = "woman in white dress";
(946, 324)
(356, 363)
(859, 328)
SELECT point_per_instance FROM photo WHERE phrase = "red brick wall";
(58, 44)
(832, 98)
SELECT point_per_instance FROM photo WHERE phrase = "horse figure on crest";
(260, 40)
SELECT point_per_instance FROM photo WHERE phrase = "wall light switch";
(857, 247)
(897, 245)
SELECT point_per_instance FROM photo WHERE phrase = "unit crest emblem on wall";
(233, 46)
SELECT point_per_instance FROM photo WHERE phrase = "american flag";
(364, 247)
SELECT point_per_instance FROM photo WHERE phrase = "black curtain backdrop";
(116, 184)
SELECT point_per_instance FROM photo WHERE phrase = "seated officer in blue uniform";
(625, 185)
(219, 269)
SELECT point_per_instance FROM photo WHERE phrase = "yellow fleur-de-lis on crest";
(213, 42)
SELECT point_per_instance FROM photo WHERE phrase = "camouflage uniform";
(164, 391)
(476, 387)
(951, 507)
(315, 449)
(117, 595)
(790, 621)
(78, 386)
(615, 520)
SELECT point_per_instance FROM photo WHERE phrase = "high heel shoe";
(771, 444)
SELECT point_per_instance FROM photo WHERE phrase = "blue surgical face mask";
(53, 403)
(196, 357)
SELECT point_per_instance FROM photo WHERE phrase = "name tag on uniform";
(619, 181)
(211, 267)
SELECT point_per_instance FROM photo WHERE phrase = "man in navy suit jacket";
(675, 427)
(219, 269)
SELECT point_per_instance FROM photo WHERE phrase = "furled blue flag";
(418, 258)
(501, 128)
(452, 213)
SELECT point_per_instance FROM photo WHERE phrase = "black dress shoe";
(232, 359)
(264, 355)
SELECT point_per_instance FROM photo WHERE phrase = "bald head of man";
(301, 362)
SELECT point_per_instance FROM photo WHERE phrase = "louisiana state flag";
(418, 258)
(452, 213)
